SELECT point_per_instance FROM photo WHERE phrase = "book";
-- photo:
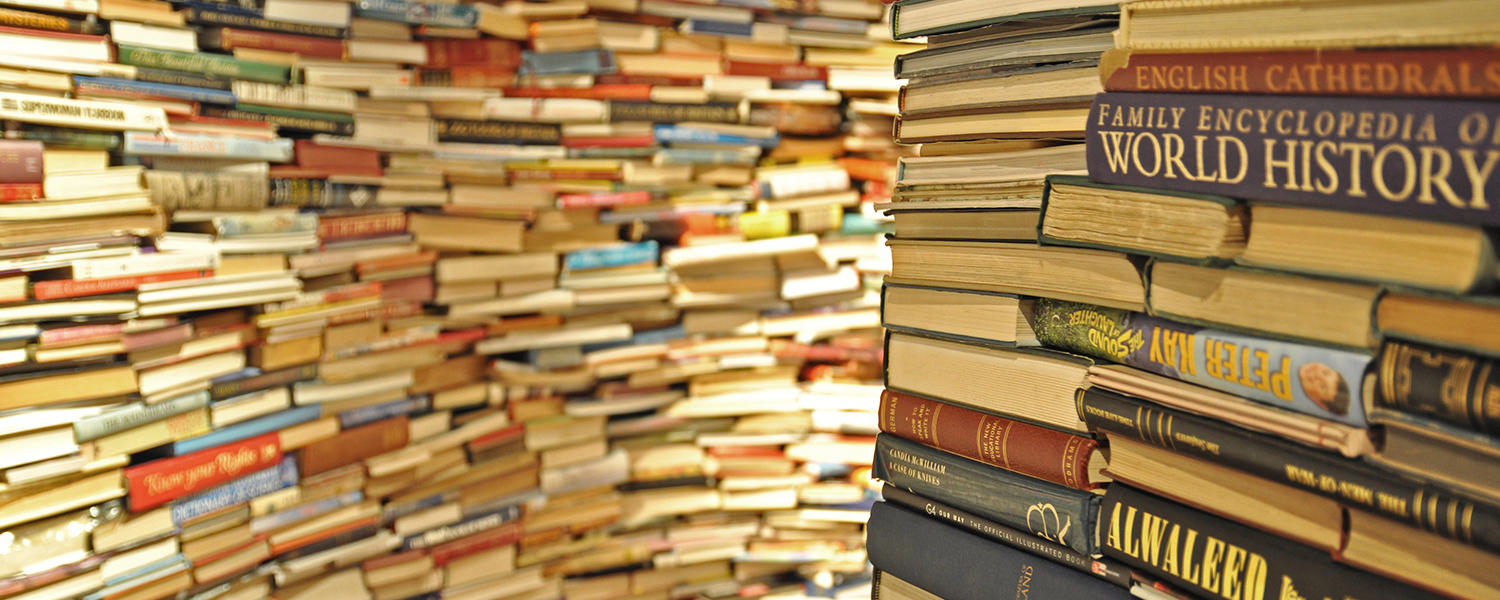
(1449, 386)
(161, 481)
(1335, 176)
(1429, 450)
(1080, 212)
(992, 317)
(1049, 511)
(911, 18)
(1101, 277)
(1385, 23)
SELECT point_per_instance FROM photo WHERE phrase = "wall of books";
(1193, 299)
(390, 299)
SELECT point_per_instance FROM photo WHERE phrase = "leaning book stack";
(1261, 284)
(395, 299)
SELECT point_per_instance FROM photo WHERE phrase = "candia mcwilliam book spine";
(1319, 381)
(958, 565)
(1422, 159)
(1437, 73)
(1213, 557)
(160, 481)
(1454, 387)
(1027, 449)
(1350, 482)
(1047, 510)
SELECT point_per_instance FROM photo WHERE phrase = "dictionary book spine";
(1421, 159)
(1213, 557)
(958, 565)
(1351, 482)
(1046, 510)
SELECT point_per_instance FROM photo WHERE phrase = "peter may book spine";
(1322, 382)
(1047, 510)
(1453, 387)
(1421, 159)
(1351, 482)
(958, 565)
(1047, 454)
(1217, 558)
(1439, 73)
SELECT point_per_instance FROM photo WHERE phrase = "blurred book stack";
(1256, 273)
(392, 299)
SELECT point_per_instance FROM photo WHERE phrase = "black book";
(959, 565)
(1216, 558)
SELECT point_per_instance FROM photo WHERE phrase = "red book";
(491, 53)
(343, 227)
(617, 91)
(354, 445)
(160, 481)
(157, 337)
(1032, 450)
(20, 163)
(596, 199)
(225, 38)
(393, 263)
(777, 71)
(315, 537)
(338, 160)
(615, 79)
(501, 437)
(503, 535)
(72, 288)
(80, 334)
(1436, 73)
(609, 142)
(13, 192)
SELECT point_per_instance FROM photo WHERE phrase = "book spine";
(226, 38)
(211, 64)
(74, 288)
(20, 161)
(498, 132)
(379, 412)
(613, 256)
(358, 226)
(1213, 557)
(503, 535)
(621, 91)
(1039, 452)
(290, 120)
(1350, 482)
(1434, 73)
(208, 146)
(281, 476)
(670, 134)
(160, 481)
(1103, 568)
(135, 87)
(602, 199)
(441, 14)
(777, 71)
(657, 112)
(263, 381)
(10, 17)
(469, 76)
(12, 192)
(493, 53)
(354, 444)
(1052, 512)
(320, 193)
(63, 137)
(250, 224)
(87, 114)
(1407, 158)
(1323, 382)
(237, 432)
(228, 18)
(591, 62)
(135, 415)
(346, 537)
(952, 563)
(207, 190)
(295, 96)
(463, 529)
(197, 80)
(1453, 387)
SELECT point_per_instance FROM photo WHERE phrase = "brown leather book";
(354, 445)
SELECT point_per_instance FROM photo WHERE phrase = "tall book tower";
(1193, 299)
(313, 299)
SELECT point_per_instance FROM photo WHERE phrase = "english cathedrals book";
(1212, 557)
(1422, 159)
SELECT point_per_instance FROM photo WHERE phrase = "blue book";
(245, 430)
(365, 415)
(858, 224)
(680, 134)
(235, 492)
(440, 14)
(619, 255)
(244, 373)
(85, 83)
(586, 62)
(223, 7)
(207, 146)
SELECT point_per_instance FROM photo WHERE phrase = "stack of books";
(1261, 286)
(397, 299)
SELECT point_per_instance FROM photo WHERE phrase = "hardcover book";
(1454, 387)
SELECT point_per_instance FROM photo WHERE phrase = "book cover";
(1351, 482)
(87, 114)
(20, 161)
(160, 481)
(239, 491)
(1323, 382)
(11, 17)
(287, 119)
(135, 415)
(1046, 510)
(472, 524)
(1454, 387)
(1047, 454)
(1215, 557)
(776, 71)
(1436, 72)
(386, 410)
(211, 64)
(227, 39)
(183, 78)
(684, 134)
(489, 53)
(1421, 159)
(957, 565)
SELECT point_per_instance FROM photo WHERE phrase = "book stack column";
(1229, 329)
(392, 299)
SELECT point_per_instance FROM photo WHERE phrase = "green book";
(296, 113)
(209, 64)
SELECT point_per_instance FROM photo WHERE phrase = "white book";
(63, 309)
(198, 369)
(310, 12)
(197, 304)
(153, 36)
(51, 47)
(249, 406)
(36, 446)
(316, 392)
(310, 97)
(144, 264)
(67, 209)
(552, 338)
(86, 114)
(431, 93)
(546, 110)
